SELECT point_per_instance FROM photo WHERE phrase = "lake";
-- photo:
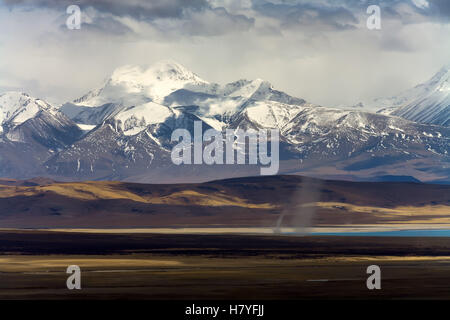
(395, 233)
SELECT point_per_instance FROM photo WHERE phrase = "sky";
(318, 50)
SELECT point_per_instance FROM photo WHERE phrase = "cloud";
(412, 11)
(344, 14)
(138, 9)
(217, 21)
(440, 8)
(100, 25)
(421, 3)
(183, 17)
(319, 50)
(311, 15)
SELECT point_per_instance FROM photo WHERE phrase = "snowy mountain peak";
(245, 88)
(428, 102)
(442, 79)
(168, 69)
(132, 84)
(165, 70)
(446, 67)
(18, 107)
(139, 93)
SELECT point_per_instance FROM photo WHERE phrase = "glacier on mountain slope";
(135, 119)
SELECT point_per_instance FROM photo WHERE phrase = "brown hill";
(253, 201)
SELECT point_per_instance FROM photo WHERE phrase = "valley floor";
(340, 229)
(220, 266)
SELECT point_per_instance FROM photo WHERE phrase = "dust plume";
(299, 212)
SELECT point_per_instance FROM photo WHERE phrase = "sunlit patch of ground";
(42, 263)
(438, 214)
(261, 231)
(111, 191)
(243, 203)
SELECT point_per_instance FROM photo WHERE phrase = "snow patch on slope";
(135, 119)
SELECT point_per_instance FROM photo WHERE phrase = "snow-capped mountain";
(31, 132)
(136, 97)
(128, 122)
(133, 85)
(326, 133)
(26, 119)
(18, 107)
(221, 102)
(428, 102)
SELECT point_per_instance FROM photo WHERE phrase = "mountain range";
(122, 130)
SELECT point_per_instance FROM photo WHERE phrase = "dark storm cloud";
(216, 22)
(434, 10)
(198, 15)
(138, 9)
(307, 14)
(191, 17)
(440, 8)
(344, 14)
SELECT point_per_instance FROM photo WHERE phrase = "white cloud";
(325, 66)
(421, 3)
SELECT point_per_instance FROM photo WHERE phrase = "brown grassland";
(191, 267)
(138, 241)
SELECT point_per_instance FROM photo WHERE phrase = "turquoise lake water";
(399, 233)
